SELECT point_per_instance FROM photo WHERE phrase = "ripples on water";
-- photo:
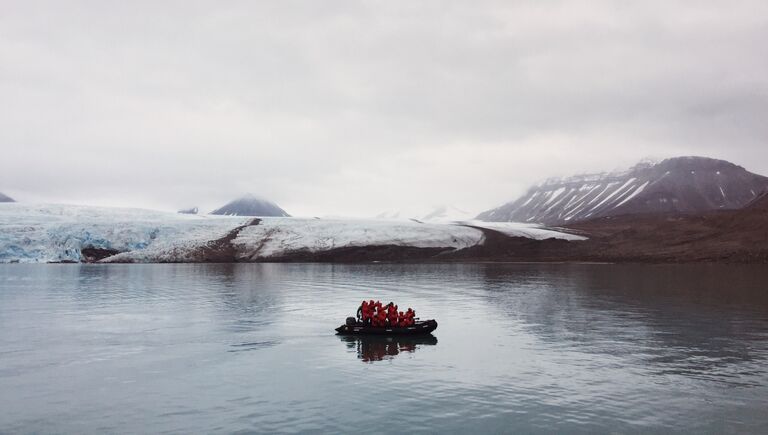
(520, 348)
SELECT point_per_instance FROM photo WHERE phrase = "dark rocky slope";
(732, 236)
(5, 198)
(722, 236)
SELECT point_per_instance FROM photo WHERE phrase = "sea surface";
(250, 348)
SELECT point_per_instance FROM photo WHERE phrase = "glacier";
(54, 233)
(278, 237)
(45, 233)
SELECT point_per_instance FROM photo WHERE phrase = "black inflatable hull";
(419, 328)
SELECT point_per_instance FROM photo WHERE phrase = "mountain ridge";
(676, 185)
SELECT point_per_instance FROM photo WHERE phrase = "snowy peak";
(5, 198)
(676, 185)
(251, 205)
(438, 214)
(447, 213)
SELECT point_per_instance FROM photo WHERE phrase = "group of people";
(378, 315)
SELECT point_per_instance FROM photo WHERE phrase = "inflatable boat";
(352, 327)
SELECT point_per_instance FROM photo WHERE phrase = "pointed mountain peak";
(251, 205)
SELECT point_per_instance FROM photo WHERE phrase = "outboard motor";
(351, 321)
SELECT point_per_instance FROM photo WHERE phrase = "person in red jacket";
(367, 313)
(373, 313)
(392, 315)
(382, 317)
(409, 315)
(375, 316)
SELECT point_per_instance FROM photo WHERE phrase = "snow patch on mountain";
(677, 185)
(438, 214)
(521, 229)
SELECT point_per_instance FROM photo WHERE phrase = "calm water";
(250, 348)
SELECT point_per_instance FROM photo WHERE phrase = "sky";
(353, 108)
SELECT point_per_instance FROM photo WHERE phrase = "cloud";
(358, 107)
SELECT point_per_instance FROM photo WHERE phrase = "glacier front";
(52, 233)
(45, 233)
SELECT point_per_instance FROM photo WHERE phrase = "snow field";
(46, 233)
(520, 229)
(276, 237)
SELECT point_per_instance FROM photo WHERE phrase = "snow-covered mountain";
(439, 213)
(250, 205)
(676, 185)
(446, 213)
(5, 198)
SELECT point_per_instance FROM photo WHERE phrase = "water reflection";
(373, 348)
(678, 320)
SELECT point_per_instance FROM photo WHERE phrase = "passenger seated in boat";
(375, 314)
(381, 313)
(365, 312)
(372, 313)
(381, 317)
(409, 315)
(392, 314)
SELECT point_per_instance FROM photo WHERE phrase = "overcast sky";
(354, 108)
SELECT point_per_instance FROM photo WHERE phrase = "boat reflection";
(374, 348)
